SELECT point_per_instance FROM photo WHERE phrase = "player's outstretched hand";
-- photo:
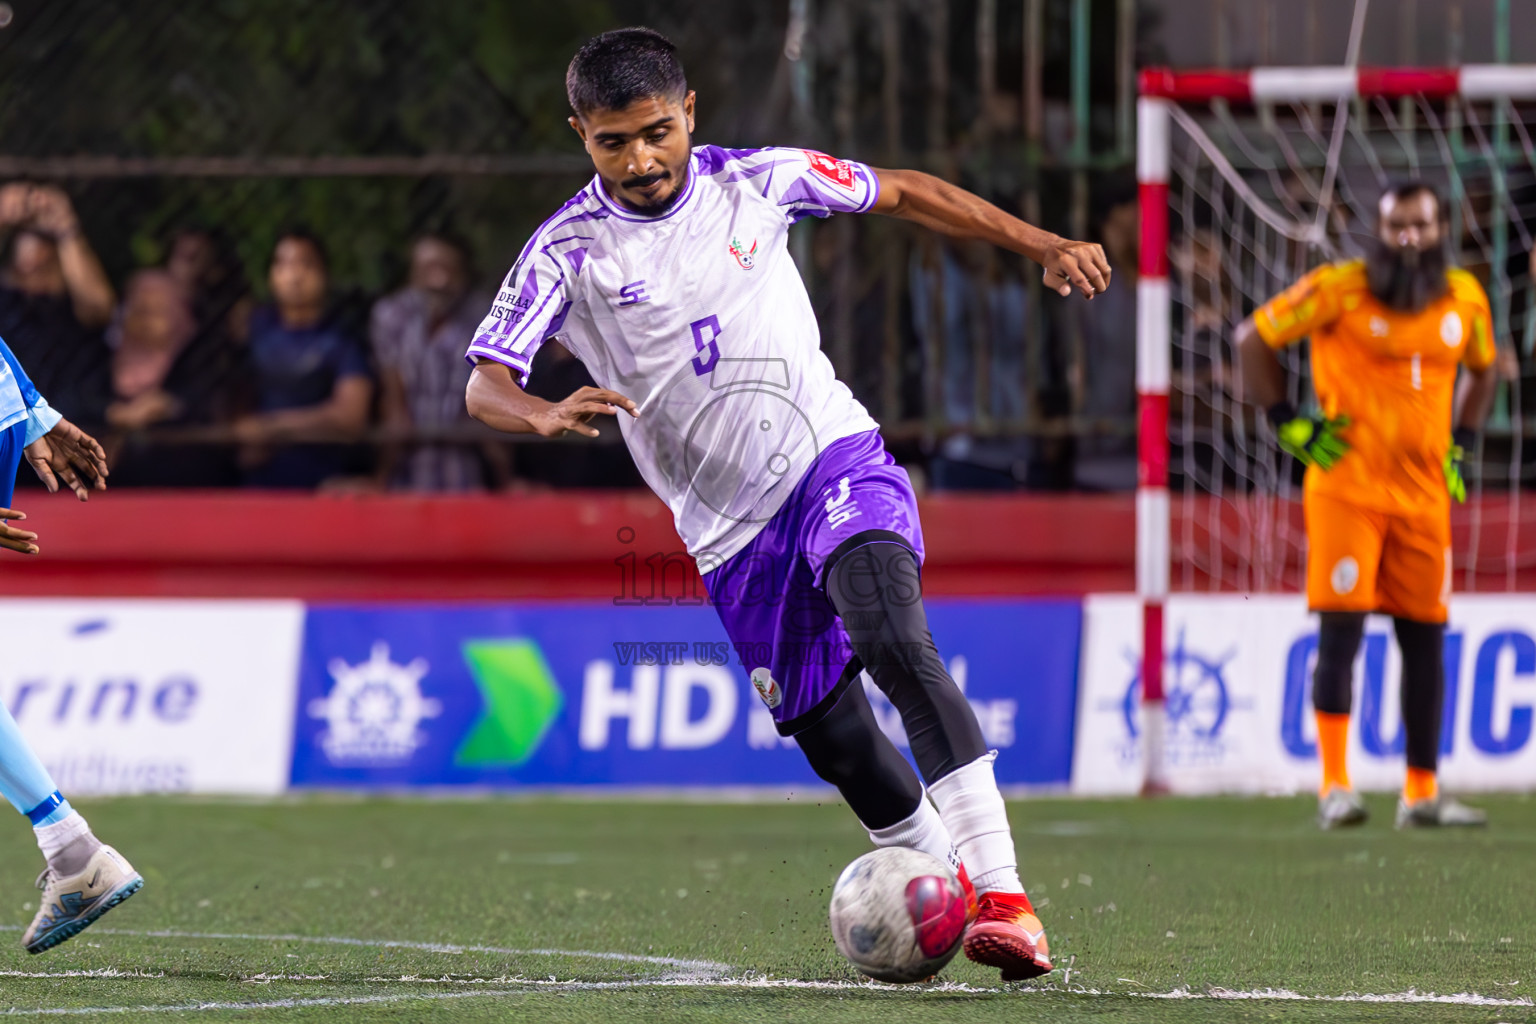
(70, 454)
(1080, 265)
(575, 413)
(1313, 440)
(12, 538)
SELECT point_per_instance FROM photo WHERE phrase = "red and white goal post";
(1247, 180)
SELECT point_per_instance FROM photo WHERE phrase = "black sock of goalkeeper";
(1338, 640)
(1423, 649)
(877, 593)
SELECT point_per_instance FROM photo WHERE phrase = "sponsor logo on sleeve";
(838, 172)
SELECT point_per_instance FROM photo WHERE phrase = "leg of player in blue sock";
(84, 878)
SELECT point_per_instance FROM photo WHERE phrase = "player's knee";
(1338, 639)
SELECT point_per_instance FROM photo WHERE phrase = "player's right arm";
(1304, 307)
(494, 398)
(531, 308)
(1295, 313)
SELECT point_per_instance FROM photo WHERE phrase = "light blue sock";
(23, 779)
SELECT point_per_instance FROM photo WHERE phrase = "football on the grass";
(898, 915)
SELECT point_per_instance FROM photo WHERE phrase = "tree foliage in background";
(294, 78)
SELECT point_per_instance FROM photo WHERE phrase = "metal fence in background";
(373, 121)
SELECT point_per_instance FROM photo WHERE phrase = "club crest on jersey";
(745, 258)
(838, 172)
(767, 688)
(1450, 329)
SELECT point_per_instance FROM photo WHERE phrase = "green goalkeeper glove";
(1313, 440)
(1462, 441)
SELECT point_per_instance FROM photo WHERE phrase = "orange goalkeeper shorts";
(1360, 560)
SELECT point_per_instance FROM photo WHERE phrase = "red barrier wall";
(572, 544)
(562, 545)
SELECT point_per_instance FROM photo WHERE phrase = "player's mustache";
(646, 180)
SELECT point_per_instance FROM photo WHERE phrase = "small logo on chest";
(1378, 327)
(1450, 329)
(745, 258)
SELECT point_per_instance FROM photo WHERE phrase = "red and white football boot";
(1007, 935)
(972, 905)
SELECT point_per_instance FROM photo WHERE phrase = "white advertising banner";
(120, 696)
(1238, 682)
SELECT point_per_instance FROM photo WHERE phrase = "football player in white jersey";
(669, 276)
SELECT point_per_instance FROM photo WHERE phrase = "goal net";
(1248, 180)
(1268, 174)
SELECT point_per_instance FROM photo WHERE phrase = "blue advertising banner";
(592, 694)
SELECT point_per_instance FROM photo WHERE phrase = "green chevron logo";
(521, 703)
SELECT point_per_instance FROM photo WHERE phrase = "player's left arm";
(948, 209)
(1476, 389)
(1481, 382)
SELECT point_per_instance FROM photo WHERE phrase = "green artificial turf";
(252, 902)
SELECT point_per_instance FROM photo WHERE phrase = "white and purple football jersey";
(700, 316)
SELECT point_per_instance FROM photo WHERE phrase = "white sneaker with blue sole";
(71, 903)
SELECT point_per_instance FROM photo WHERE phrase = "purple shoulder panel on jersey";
(512, 339)
(556, 221)
(712, 159)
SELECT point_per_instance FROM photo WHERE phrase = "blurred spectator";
(1099, 339)
(203, 262)
(166, 374)
(54, 299)
(419, 334)
(962, 295)
(310, 377)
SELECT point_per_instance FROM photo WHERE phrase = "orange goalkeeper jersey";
(1392, 373)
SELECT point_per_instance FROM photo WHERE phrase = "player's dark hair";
(1410, 187)
(309, 238)
(618, 68)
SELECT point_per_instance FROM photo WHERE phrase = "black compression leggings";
(877, 592)
(847, 749)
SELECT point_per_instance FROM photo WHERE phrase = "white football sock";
(922, 830)
(972, 808)
(53, 838)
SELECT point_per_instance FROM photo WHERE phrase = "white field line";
(705, 966)
(100, 972)
(526, 987)
(517, 986)
(696, 974)
(273, 1004)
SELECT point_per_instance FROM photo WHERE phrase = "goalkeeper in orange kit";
(1383, 464)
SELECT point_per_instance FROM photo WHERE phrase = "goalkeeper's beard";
(1404, 278)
